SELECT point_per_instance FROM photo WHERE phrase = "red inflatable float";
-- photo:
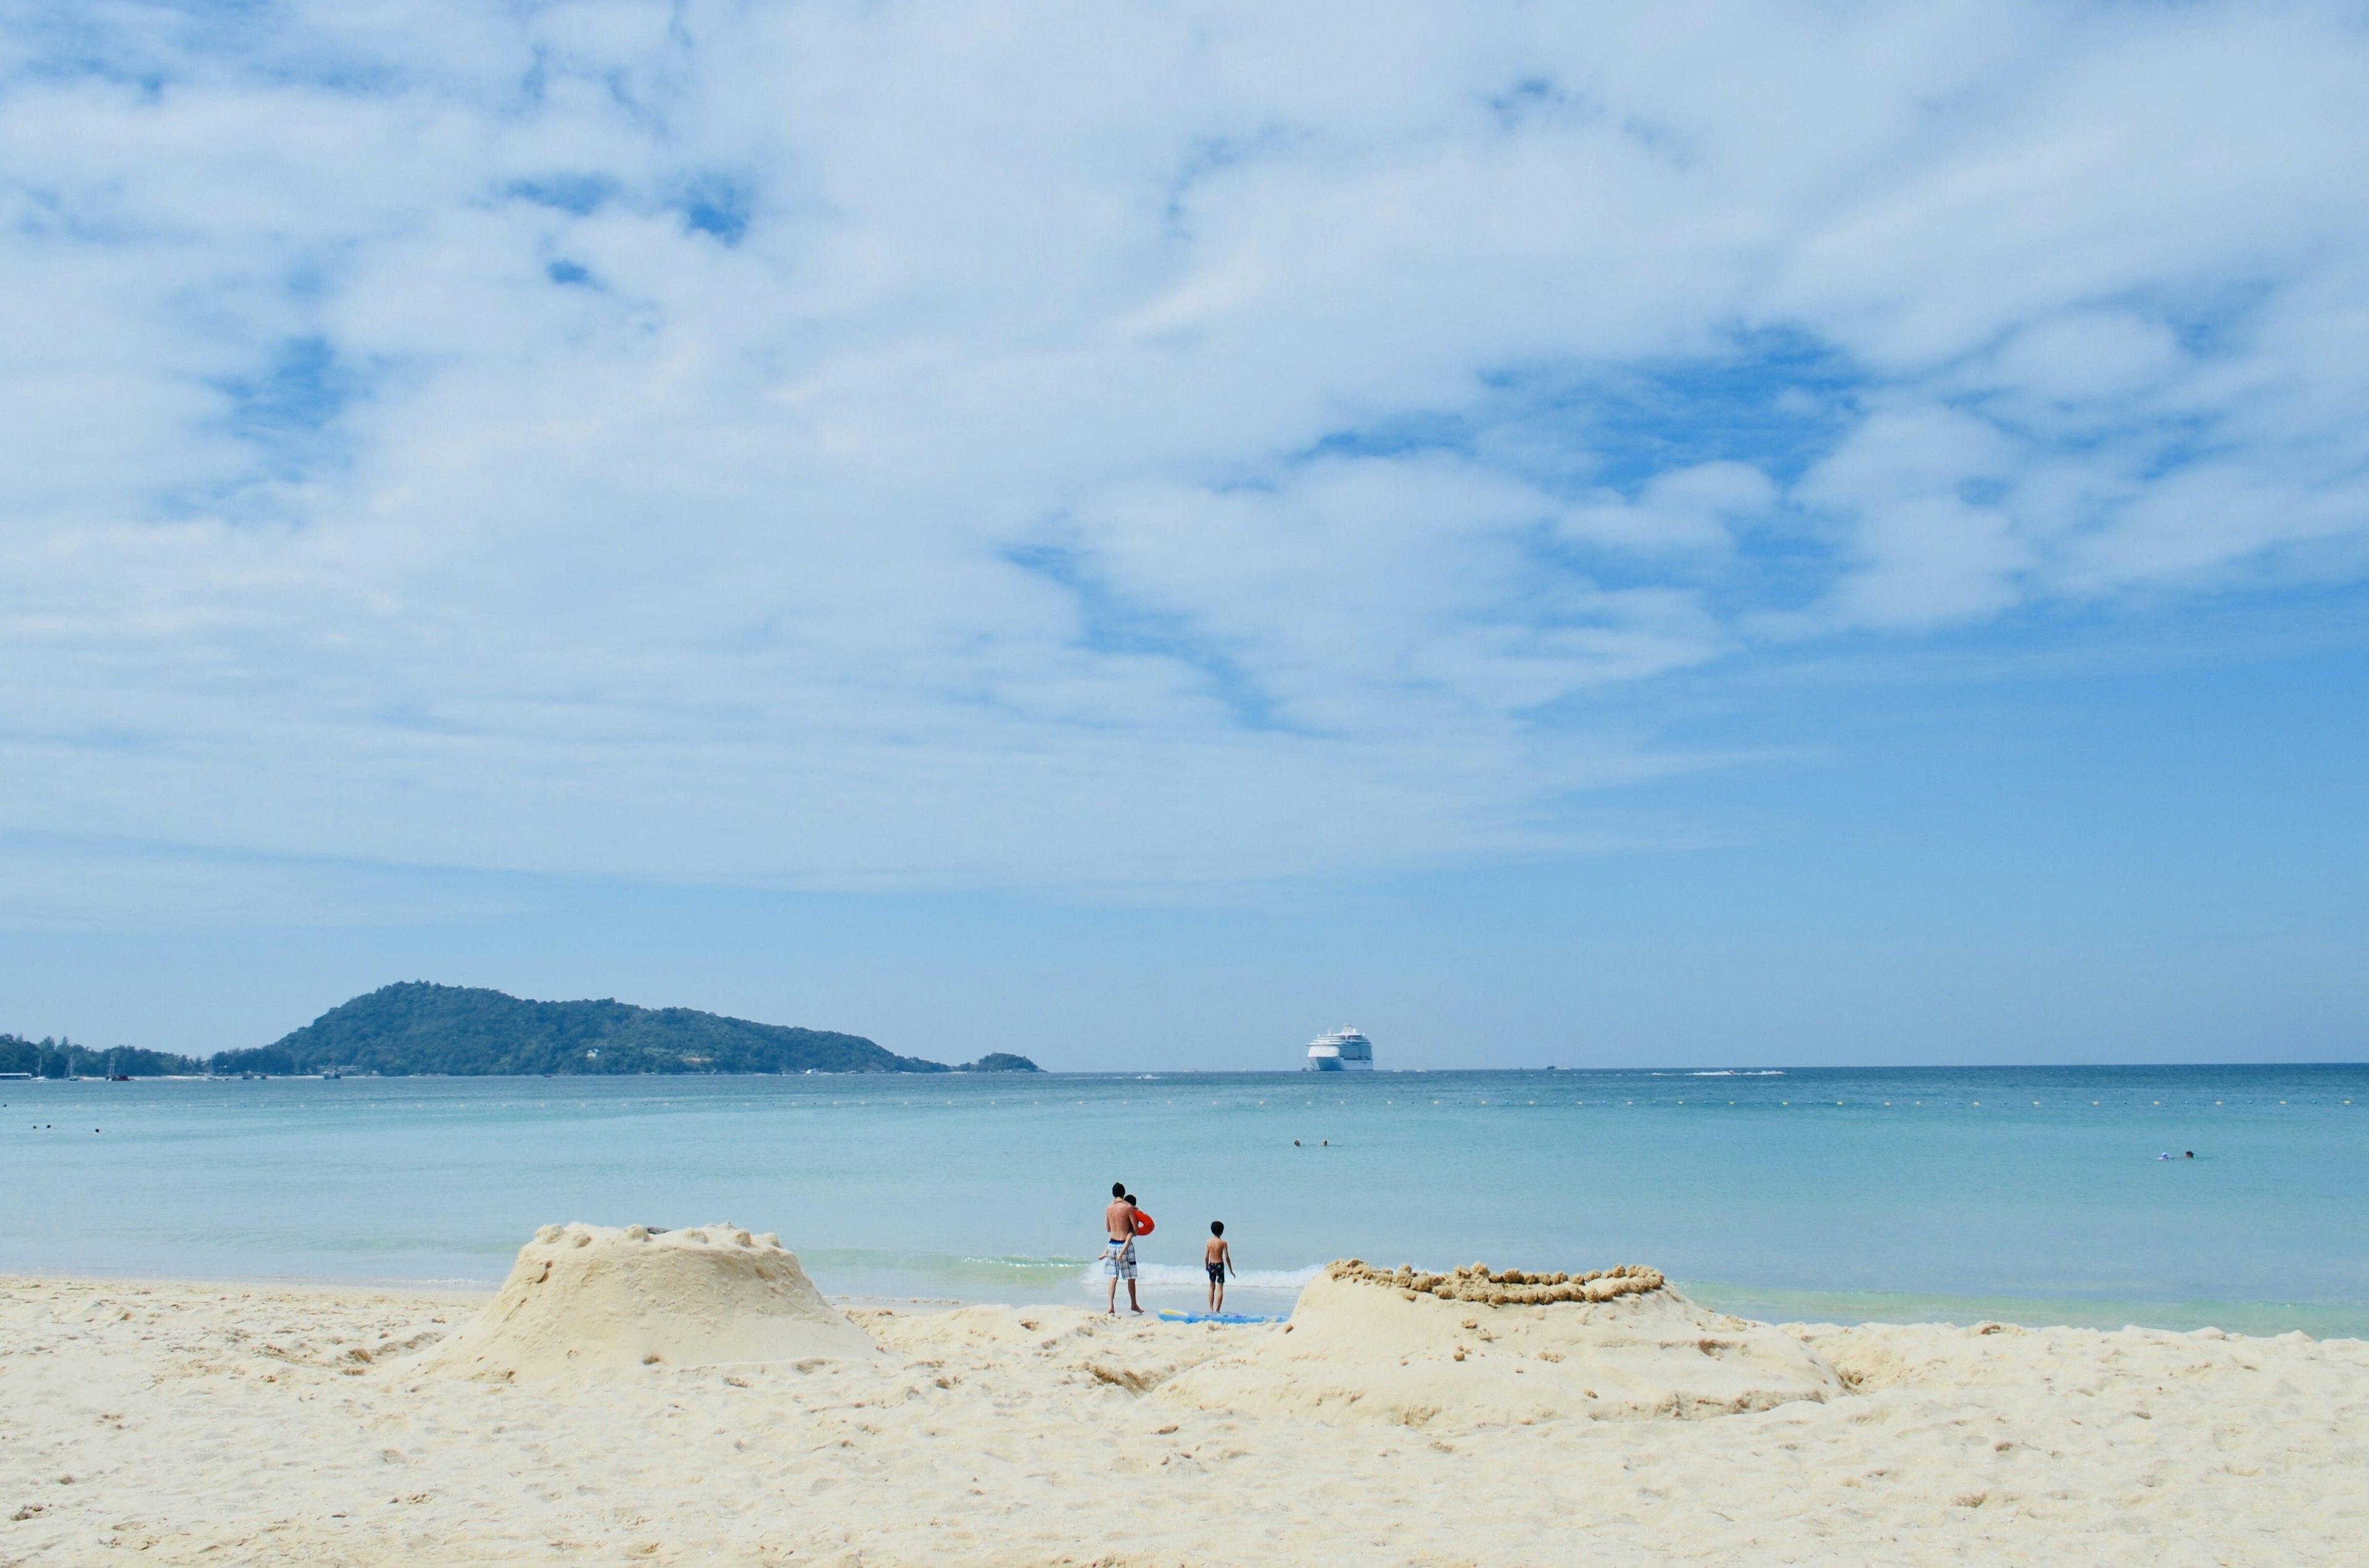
(1142, 1223)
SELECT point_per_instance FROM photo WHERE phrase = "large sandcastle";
(1478, 1347)
(582, 1297)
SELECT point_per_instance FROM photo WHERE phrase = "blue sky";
(1136, 534)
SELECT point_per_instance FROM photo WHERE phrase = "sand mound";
(582, 1297)
(1472, 1347)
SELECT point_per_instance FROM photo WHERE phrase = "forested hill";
(416, 1027)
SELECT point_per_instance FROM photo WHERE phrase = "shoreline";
(2322, 1322)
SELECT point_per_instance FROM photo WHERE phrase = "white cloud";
(891, 445)
(1681, 509)
(2086, 357)
(1920, 553)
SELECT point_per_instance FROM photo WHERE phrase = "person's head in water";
(1118, 1189)
(2192, 1154)
(1217, 1227)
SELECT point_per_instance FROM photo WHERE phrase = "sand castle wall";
(1476, 1346)
(584, 1298)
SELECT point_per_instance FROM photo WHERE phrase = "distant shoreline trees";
(49, 1058)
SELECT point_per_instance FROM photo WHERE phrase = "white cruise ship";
(1343, 1050)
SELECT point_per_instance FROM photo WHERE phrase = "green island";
(415, 1027)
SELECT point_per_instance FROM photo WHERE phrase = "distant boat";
(1343, 1050)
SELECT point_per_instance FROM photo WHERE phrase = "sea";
(2168, 1196)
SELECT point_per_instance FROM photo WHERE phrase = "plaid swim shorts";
(1118, 1260)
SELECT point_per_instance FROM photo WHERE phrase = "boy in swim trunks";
(1118, 1255)
(1217, 1257)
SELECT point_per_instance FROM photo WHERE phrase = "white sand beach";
(190, 1423)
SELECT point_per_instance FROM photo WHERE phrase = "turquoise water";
(2025, 1193)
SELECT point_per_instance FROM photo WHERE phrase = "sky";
(1136, 532)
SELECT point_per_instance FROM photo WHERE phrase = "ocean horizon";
(2036, 1194)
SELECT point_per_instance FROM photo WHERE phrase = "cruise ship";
(1343, 1050)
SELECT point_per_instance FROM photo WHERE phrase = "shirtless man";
(1119, 1257)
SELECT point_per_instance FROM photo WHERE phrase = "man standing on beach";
(1119, 1257)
